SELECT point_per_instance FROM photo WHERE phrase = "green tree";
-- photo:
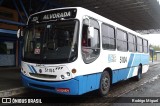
(155, 47)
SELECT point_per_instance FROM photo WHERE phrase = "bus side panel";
(122, 74)
(129, 71)
(89, 82)
(132, 70)
(114, 76)
(136, 60)
(140, 58)
(144, 59)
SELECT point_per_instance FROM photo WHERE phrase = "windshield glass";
(53, 42)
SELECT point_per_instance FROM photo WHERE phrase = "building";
(9, 48)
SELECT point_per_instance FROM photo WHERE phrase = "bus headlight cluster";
(62, 76)
(66, 75)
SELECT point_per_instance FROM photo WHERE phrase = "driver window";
(85, 39)
(90, 44)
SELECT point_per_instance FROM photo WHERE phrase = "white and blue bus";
(73, 51)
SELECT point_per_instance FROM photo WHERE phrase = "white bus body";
(78, 77)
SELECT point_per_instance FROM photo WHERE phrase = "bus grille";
(43, 76)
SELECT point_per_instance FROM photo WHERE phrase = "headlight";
(62, 76)
(68, 74)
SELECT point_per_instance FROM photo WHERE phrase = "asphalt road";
(148, 86)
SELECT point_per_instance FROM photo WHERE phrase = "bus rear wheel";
(104, 84)
(139, 74)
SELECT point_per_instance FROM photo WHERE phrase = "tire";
(139, 74)
(104, 84)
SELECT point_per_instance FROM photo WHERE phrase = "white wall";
(158, 56)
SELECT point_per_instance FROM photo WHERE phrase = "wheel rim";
(105, 83)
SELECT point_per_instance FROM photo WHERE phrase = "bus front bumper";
(69, 87)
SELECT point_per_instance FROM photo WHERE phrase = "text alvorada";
(56, 15)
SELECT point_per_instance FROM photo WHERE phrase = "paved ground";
(10, 82)
(150, 90)
(10, 78)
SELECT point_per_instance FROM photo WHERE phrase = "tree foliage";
(155, 47)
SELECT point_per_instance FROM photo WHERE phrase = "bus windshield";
(52, 42)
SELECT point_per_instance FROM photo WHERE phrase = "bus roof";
(80, 11)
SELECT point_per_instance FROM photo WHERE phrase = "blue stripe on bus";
(137, 59)
(130, 64)
(34, 69)
(130, 60)
(130, 72)
(140, 58)
(30, 68)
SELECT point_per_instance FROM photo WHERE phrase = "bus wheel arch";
(105, 82)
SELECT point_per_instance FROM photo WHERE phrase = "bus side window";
(108, 37)
(139, 45)
(145, 46)
(90, 43)
(131, 43)
(121, 40)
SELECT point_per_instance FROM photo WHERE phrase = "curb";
(12, 92)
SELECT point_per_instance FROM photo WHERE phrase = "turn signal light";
(74, 71)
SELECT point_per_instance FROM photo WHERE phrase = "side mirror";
(18, 33)
(90, 32)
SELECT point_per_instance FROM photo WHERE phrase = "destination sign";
(53, 15)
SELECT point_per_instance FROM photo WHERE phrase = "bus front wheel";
(104, 84)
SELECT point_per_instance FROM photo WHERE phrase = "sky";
(158, 1)
(153, 39)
